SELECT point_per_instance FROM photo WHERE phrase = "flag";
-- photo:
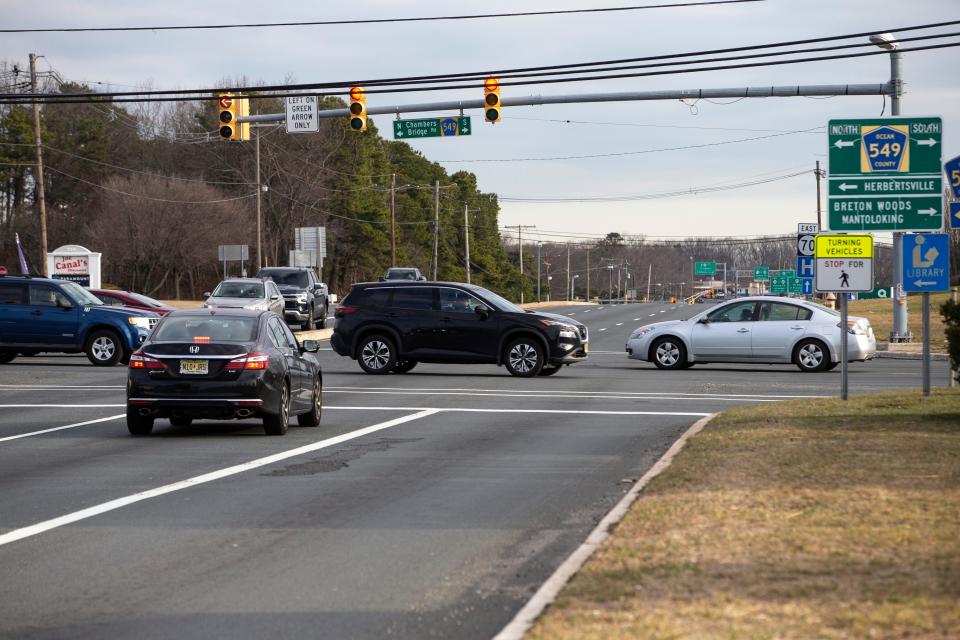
(23, 261)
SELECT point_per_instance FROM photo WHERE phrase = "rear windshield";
(292, 278)
(204, 329)
(238, 290)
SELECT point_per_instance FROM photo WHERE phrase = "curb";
(548, 591)
(318, 334)
(910, 355)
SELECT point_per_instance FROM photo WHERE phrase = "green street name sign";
(761, 274)
(705, 268)
(431, 128)
(885, 174)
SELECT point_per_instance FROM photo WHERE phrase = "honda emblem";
(194, 349)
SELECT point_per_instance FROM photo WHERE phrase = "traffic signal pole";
(788, 91)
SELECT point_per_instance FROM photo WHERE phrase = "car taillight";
(342, 311)
(140, 361)
(249, 361)
(201, 340)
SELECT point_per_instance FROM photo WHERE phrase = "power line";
(264, 90)
(313, 23)
(143, 197)
(649, 125)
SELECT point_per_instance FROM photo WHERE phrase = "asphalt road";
(430, 504)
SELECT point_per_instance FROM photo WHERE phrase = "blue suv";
(40, 314)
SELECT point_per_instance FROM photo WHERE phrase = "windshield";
(81, 295)
(497, 301)
(292, 278)
(147, 300)
(238, 290)
(823, 308)
(204, 329)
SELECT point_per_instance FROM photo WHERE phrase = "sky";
(504, 156)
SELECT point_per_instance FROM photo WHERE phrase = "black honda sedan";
(223, 364)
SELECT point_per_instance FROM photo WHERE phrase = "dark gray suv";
(305, 299)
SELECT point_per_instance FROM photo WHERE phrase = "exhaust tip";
(244, 413)
(145, 411)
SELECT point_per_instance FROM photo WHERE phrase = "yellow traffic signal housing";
(491, 100)
(244, 110)
(228, 108)
(358, 109)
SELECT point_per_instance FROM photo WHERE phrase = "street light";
(610, 286)
(549, 286)
(571, 285)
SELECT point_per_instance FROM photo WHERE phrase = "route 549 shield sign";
(844, 263)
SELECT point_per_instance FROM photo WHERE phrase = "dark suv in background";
(391, 326)
(304, 296)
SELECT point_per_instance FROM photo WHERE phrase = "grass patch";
(804, 519)
(880, 314)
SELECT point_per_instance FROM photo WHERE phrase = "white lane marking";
(38, 387)
(60, 406)
(607, 396)
(564, 392)
(652, 314)
(619, 324)
(570, 411)
(83, 514)
(604, 329)
(636, 319)
(67, 426)
(548, 591)
(587, 311)
(663, 310)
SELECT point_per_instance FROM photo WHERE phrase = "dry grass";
(880, 314)
(809, 519)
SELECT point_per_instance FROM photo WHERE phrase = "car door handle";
(797, 328)
(743, 330)
(36, 312)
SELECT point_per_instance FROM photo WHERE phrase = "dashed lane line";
(67, 426)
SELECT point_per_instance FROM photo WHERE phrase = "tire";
(104, 348)
(687, 364)
(377, 354)
(549, 371)
(7, 356)
(404, 365)
(312, 418)
(811, 356)
(276, 424)
(524, 357)
(322, 322)
(137, 424)
(832, 366)
(308, 325)
(668, 353)
(181, 421)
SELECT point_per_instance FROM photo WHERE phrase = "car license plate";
(194, 367)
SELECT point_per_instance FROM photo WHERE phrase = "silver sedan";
(246, 293)
(759, 329)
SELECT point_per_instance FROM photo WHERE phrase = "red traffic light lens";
(356, 108)
(356, 124)
(491, 84)
(226, 102)
(226, 132)
(226, 116)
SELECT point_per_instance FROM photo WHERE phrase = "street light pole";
(539, 245)
(572, 280)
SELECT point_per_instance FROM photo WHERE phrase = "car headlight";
(566, 330)
(302, 298)
(139, 322)
(642, 331)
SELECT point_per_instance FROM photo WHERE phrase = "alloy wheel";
(668, 354)
(523, 357)
(103, 348)
(375, 354)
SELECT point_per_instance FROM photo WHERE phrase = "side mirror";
(383, 278)
(422, 278)
(207, 294)
(483, 312)
(703, 320)
(63, 304)
(274, 297)
(310, 346)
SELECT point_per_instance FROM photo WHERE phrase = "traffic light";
(491, 100)
(244, 110)
(358, 109)
(229, 110)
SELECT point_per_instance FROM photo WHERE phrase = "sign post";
(926, 269)
(844, 264)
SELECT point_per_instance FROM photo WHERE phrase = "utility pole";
(588, 273)
(901, 331)
(393, 220)
(436, 225)
(466, 239)
(520, 228)
(539, 246)
(569, 282)
(41, 196)
(649, 276)
(257, 180)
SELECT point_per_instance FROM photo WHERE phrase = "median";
(805, 519)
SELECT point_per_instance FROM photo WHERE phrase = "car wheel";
(7, 356)
(312, 418)
(137, 424)
(404, 365)
(322, 322)
(308, 325)
(549, 371)
(669, 353)
(811, 356)
(832, 366)
(377, 354)
(104, 348)
(181, 421)
(524, 357)
(275, 424)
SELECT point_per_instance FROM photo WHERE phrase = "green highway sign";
(878, 292)
(779, 284)
(787, 273)
(761, 274)
(431, 128)
(795, 285)
(705, 269)
(885, 174)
